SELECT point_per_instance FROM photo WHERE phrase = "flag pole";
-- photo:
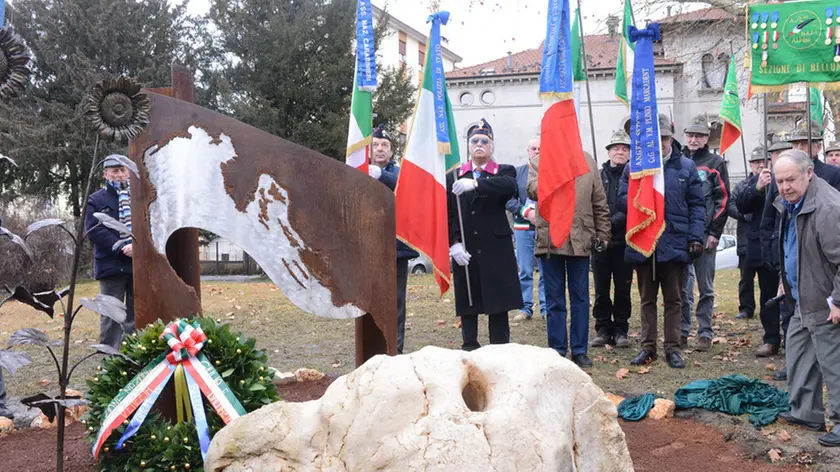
(808, 117)
(764, 140)
(743, 145)
(464, 243)
(586, 73)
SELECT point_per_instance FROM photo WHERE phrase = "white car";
(727, 253)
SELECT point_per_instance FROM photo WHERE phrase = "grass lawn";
(295, 339)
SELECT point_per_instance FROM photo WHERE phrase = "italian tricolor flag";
(422, 220)
(361, 127)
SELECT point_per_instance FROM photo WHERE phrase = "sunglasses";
(482, 141)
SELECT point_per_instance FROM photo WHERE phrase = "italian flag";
(730, 110)
(624, 62)
(361, 127)
(422, 220)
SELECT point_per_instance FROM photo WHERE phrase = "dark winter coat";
(107, 261)
(753, 200)
(516, 204)
(389, 177)
(611, 178)
(494, 276)
(715, 177)
(749, 225)
(684, 211)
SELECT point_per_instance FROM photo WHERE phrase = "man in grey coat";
(809, 249)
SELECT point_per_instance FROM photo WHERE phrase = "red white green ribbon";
(185, 341)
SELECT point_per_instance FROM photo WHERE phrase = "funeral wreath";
(218, 376)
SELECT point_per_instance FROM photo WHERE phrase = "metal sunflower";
(14, 64)
(118, 109)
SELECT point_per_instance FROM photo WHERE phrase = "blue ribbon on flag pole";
(556, 73)
(365, 51)
(645, 149)
(2, 12)
(438, 85)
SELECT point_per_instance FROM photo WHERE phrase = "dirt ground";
(294, 339)
(680, 444)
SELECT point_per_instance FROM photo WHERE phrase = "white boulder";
(501, 408)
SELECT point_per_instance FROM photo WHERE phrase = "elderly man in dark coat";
(112, 251)
(484, 249)
(809, 250)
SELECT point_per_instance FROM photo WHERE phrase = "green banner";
(817, 111)
(791, 43)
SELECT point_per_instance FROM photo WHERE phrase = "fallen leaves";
(622, 373)
(771, 367)
(784, 436)
(441, 323)
(720, 340)
(775, 455)
(643, 370)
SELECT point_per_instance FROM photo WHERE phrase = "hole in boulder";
(475, 393)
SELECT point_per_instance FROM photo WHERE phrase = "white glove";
(375, 171)
(461, 256)
(464, 185)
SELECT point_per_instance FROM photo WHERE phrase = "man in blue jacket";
(685, 213)
(524, 214)
(383, 169)
(112, 251)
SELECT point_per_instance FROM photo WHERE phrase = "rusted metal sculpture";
(322, 231)
(117, 109)
(14, 64)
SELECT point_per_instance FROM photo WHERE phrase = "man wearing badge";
(485, 273)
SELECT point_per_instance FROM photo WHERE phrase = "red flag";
(561, 162)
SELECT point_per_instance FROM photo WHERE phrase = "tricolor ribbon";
(185, 341)
(438, 85)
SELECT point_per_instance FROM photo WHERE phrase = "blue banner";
(438, 86)
(645, 149)
(556, 73)
(2, 12)
(365, 51)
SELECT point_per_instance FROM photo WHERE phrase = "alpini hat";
(835, 146)
(758, 154)
(800, 132)
(699, 126)
(619, 137)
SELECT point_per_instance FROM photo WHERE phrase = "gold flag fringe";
(358, 145)
(643, 225)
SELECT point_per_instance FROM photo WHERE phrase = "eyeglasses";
(482, 141)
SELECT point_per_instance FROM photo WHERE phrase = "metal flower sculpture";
(14, 64)
(118, 109)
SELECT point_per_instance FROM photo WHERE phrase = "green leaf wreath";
(160, 445)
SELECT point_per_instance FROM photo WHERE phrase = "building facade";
(691, 63)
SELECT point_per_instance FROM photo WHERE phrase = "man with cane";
(484, 270)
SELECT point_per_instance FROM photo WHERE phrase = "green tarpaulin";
(793, 42)
(735, 395)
